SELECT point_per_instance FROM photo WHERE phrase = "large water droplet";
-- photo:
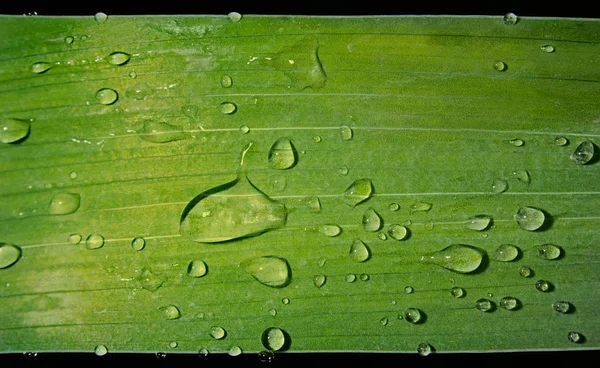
(100, 350)
(510, 303)
(14, 130)
(397, 232)
(420, 207)
(138, 243)
(40, 67)
(506, 253)
(274, 339)
(107, 96)
(94, 241)
(282, 154)
(346, 133)
(64, 203)
(74, 238)
(217, 332)
(484, 305)
(100, 17)
(459, 258)
(161, 132)
(499, 186)
(530, 218)
(584, 153)
(358, 192)
(549, 251)
(424, 349)
(330, 230)
(319, 280)
(371, 220)
(413, 315)
(197, 268)
(562, 307)
(118, 58)
(359, 252)
(479, 222)
(230, 211)
(9, 255)
(171, 312)
(510, 19)
(269, 270)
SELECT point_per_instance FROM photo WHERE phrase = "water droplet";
(408, 290)
(382, 236)
(100, 17)
(499, 186)
(9, 255)
(561, 306)
(394, 207)
(118, 58)
(282, 154)
(269, 270)
(484, 305)
(217, 332)
(313, 203)
(64, 204)
(244, 129)
(479, 222)
(575, 337)
(40, 67)
(203, 352)
(549, 251)
(72, 175)
(413, 315)
(359, 252)
(173, 344)
(343, 170)
(197, 268)
(358, 192)
(458, 292)
(510, 19)
(530, 218)
(350, 277)
(543, 286)
(149, 280)
(94, 241)
(30, 354)
(171, 312)
(346, 133)
(561, 141)
(522, 176)
(160, 355)
(161, 132)
(138, 243)
(584, 153)
(234, 17)
(230, 211)
(424, 349)
(510, 303)
(319, 280)
(397, 232)
(330, 230)
(227, 108)
(273, 312)
(107, 96)
(274, 339)
(517, 142)
(14, 130)
(69, 40)
(226, 81)
(234, 351)
(500, 65)
(285, 301)
(317, 139)
(266, 357)
(74, 239)
(100, 350)
(525, 271)
(459, 258)
(384, 321)
(371, 220)
(547, 48)
(132, 74)
(506, 253)
(420, 207)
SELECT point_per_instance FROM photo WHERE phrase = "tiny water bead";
(107, 96)
(330, 230)
(549, 251)
(282, 154)
(484, 305)
(234, 351)
(458, 292)
(397, 232)
(64, 203)
(543, 286)
(562, 306)
(74, 239)
(420, 207)
(100, 17)
(346, 133)
(382, 236)
(94, 241)
(413, 315)
(517, 142)
(499, 186)
(9, 254)
(506, 253)
(197, 268)
(547, 48)
(525, 271)
(100, 350)
(575, 337)
(173, 344)
(359, 252)
(138, 243)
(226, 81)
(244, 129)
(522, 176)
(530, 218)
(234, 17)
(371, 220)
(510, 19)
(584, 153)
(273, 339)
(269, 270)
(217, 332)
(561, 141)
(14, 130)
(227, 108)
(350, 277)
(319, 280)
(394, 207)
(40, 67)
(72, 175)
(459, 258)
(408, 290)
(160, 355)
(479, 222)
(358, 192)
(510, 303)
(343, 170)
(500, 65)
(118, 58)
(424, 349)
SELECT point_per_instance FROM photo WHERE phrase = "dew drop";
(346, 133)
(313, 204)
(500, 65)
(244, 129)
(234, 351)
(359, 252)
(510, 303)
(161, 132)
(543, 286)
(409, 290)
(203, 352)
(457, 292)
(273, 312)
(64, 204)
(269, 270)
(107, 96)
(226, 81)
(505, 253)
(317, 139)
(584, 153)
(575, 337)
(266, 357)
(525, 271)
(217, 332)
(14, 130)
(499, 186)
(547, 48)
(100, 350)
(382, 236)
(173, 344)
(397, 232)
(171, 312)
(274, 339)
(138, 243)
(479, 222)
(118, 58)
(484, 305)
(459, 258)
(282, 154)
(350, 277)
(561, 306)
(285, 301)
(424, 349)
(530, 218)
(234, 17)
(319, 280)
(394, 207)
(371, 220)
(561, 141)
(384, 321)
(227, 108)
(510, 19)
(364, 277)
(413, 315)
(522, 176)
(420, 207)
(517, 142)
(330, 230)
(69, 40)
(74, 239)
(94, 241)
(100, 17)
(358, 192)
(9, 255)
(549, 251)
(40, 67)
(72, 175)
(343, 170)
(197, 268)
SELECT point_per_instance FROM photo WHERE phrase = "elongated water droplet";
(269, 270)
(330, 230)
(358, 192)
(14, 130)
(100, 17)
(197, 268)
(161, 132)
(510, 303)
(319, 280)
(100, 350)
(547, 48)
(413, 315)
(359, 252)
(549, 251)
(107, 96)
(525, 271)
(522, 176)
(234, 350)
(459, 258)
(479, 222)
(9, 254)
(226, 81)
(40, 67)
(149, 280)
(584, 153)
(543, 286)
(274, 339)
(138, 243)
(94, 241)
(575, 337)
(562, 307)
(384, 321)
(561, 141)
(510, 19)
(517, 142)
(346, 133)
(484, 305)
(397, 232)
(227, 108)
(371, 220)
(171, 312)
(499, 186)
(424, 349)
(217, 332)
(118, 58)
(506, 253)
(530, 218)
(282, 154)
(74, 239)
(500, 65)
(457, 292)
(420, 207)
(64, 203)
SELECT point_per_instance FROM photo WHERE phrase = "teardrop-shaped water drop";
(517, 142)
(561, 141)
(420, 207)
(359, 252)
(274, 339)
(549, 251)
(282, 154)
(197, 268)
(371, 220)
(234, 350)
(479, 222)
(40, 67)
(499, 186)
(161, 132)
(100, 17)
(397, 232)
(234, 17)
(358, 192)
(94, 241)
(107, 96)
(547, 48)
(459, 258)
(64, 203)
(9, 254)
(74, 238)
(118, 58)
(530, 218)
(506, 253)
(319, 280)
(346, 133)
(14, 130)
(394, 206)
(584, 153)
(330, 230)
(269, 270)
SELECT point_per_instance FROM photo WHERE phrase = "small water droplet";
(584, 153)
(107, 96)
(138, 243)
(160, 355)
(358, 192)
(100, 17)
(346, 133)
(161, 132)
(484, 305)
(64, 204)
(234, 351)
(74, 239)
(359, 252)
(575, 337)
(244, 129)
(100, 350)
(14, 130)
(319, 280)
(171, 312)
(364, 277)
(84, 37)
(549, 251)
(30, 354)
(173, 344)
(382, 236)
(506, 253)
(9, 254)
(459, 258)
(94, 241)
(517, 142)
(510, 303)
(317, 139)
(413, 315)
(226, 81)
(384, 321)
(273, 312)
(530, 218)
(282, 154)
(479, 222)
(202, 353)
(500, 65)
(197, 268)
(227, 108)
(72, 175)
(269, 270)
(285, 301)
(217, 332)
(547, 48)
(562, 307)
(330, 230)
(522, 176)
(424, 349)
(274, 339)
(409, 290)
(343, 170)
(394, 207)
(499, 186)
(313, 203)
(69, 40)
(371, 220)
(510, 19)
(132, 74)
(118, 58)
(561, 141)
(266, 357)
(397, 232)
(525, 271)
(40, 67)
(458, 292)
(543, 286)
(350, 277)
(420, 207)
(234, 17)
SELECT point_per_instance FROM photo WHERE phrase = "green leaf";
(301, 184)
